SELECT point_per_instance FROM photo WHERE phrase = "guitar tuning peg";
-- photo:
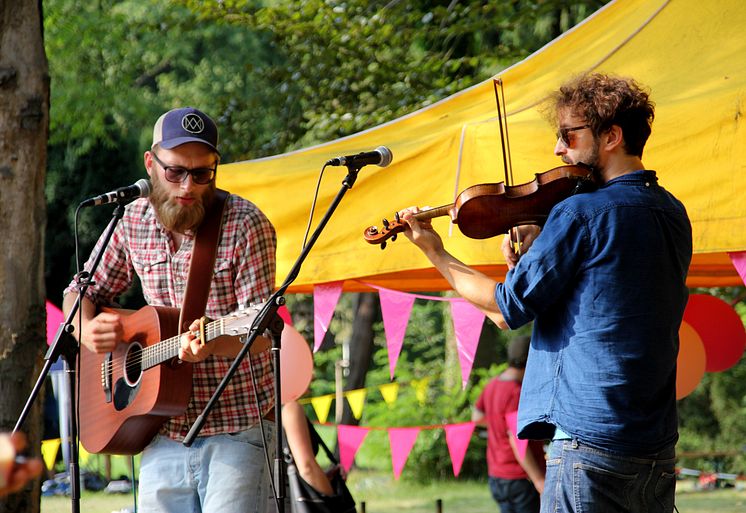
(383, 245)
(385, 223)
(393, 237)
(398, 219)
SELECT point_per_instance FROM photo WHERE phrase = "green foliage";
(350, 65)
(124, 62)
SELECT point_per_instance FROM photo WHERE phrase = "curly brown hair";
(604, 101)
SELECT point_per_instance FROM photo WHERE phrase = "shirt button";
(647, 184)
(146, 268)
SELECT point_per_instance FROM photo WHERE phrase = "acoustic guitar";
(127, 395)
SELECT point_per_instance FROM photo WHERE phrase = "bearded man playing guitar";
(224, 469)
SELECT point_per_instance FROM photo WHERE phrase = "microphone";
(140, 189)
(381, 156)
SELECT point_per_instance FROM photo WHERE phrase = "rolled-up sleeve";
(546, 271)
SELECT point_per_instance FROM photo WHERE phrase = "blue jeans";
(514, 495)
(217, 474)
(588, 480)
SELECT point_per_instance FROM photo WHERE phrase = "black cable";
(313, 206)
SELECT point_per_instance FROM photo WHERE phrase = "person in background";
(16, 471)
(515, 482)
(302, 447)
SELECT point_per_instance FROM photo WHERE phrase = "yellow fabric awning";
(692, 54)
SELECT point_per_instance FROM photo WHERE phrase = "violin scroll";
(390, 229)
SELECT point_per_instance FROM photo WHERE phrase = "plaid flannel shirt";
(244, 274)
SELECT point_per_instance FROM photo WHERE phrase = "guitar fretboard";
(169, 348)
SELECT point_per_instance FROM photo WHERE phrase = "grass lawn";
(382, 494)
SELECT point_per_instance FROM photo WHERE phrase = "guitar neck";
(168, 349)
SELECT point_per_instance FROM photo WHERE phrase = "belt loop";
(574, 443)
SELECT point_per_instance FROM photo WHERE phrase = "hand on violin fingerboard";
(518, 242)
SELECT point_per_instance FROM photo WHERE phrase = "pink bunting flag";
(325, 298)
(55, 317)
(284, 314)
(739, 262)
(401, 440)
(458, 437)
(350, 438)
(467, 323)
(395, 310)
(512, 421)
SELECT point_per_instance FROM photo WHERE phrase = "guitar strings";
(158, 352)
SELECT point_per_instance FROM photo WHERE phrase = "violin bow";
(497, 84)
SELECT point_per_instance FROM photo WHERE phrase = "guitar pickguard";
(124, 394)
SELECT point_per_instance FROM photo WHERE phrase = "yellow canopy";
(691, 53)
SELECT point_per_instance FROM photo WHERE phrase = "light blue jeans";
(588, 480)
(217, 474)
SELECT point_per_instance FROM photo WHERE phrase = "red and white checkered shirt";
(244, 274)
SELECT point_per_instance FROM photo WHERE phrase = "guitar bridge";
(106, 375)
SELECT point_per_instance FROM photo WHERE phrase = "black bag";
(304, 498)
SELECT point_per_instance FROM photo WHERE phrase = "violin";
(486, 210)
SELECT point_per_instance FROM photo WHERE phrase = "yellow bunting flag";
(49, 450)
(389, 391)
(83, 455)
(420, 389)
(356, 398)
(321, 406)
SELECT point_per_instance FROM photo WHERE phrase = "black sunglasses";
(563, 133)
(177, 174)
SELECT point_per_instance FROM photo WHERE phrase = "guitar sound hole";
(133, 364)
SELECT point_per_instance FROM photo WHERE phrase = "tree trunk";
(24, 126)
(361, 346)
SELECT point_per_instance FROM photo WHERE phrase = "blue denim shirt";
(605, 286)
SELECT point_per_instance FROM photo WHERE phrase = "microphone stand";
(65, 346)
(263, 321)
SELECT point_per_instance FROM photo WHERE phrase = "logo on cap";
(193, 123)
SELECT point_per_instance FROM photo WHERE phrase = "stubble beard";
(590, 159)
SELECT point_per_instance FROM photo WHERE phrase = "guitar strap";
(201, 267)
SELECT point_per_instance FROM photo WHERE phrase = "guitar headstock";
(374, 235)
(240, 322)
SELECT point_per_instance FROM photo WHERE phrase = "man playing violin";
(603, 282)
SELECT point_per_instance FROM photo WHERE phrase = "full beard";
(179, 218)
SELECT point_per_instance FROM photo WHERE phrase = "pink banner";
(325, 298)
(54, 319)
(395, 310)
(467, 323)
(458, 437)
(350, 438)
(402, 440)
(284, 314)
(512, 420)
(739, 262)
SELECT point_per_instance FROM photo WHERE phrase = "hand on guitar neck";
(194, 350)
(102, 332)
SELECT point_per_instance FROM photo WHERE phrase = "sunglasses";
(564, 133)
(177, 174)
